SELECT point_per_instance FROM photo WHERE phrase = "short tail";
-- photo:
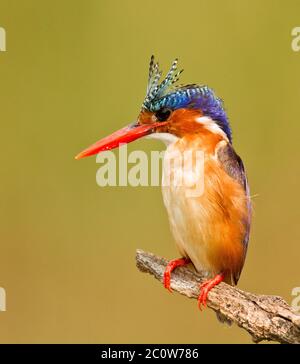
(223, 319)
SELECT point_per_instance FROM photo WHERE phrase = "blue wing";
(234, 167)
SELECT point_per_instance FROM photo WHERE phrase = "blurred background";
(75, 71)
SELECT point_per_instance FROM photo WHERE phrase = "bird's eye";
(163, 114)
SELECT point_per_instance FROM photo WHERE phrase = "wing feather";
(234, 167)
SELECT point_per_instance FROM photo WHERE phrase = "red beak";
(124, 135)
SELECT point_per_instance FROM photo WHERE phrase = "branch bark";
(264, 317)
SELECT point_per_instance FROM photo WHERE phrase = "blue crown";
(167, 95)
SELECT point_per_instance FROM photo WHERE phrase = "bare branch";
(264, 317)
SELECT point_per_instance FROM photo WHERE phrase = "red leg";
(206, 287)
(170, 267)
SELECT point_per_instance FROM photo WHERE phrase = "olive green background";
(75, 71)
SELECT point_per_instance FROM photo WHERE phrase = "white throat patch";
(211, 125)
(166, 138)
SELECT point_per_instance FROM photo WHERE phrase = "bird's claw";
(169, 269)
(205, 288)
(167, 281)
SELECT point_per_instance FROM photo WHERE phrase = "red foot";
(170, 267)
(206, 287)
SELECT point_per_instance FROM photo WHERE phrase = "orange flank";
(208, 229)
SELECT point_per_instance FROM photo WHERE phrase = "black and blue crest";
(167, 95)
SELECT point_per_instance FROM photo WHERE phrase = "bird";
(211, 229)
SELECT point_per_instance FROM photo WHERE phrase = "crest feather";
(166, 94)
(156, 90)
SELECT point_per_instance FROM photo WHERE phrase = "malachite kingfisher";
(211, 230)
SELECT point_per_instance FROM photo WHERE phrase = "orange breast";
(209, 228)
